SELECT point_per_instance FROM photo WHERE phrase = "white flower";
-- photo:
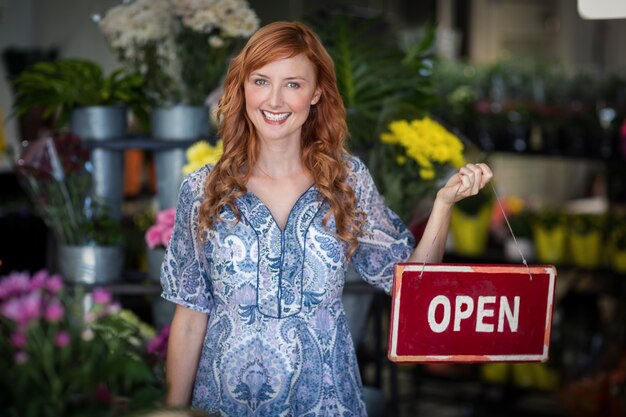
(216, 41)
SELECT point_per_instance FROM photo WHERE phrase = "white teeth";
(275, 117)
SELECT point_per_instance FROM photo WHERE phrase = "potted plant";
(77, 90)
(550, 235)
(586, 239)
(56, 174)
(59, 358)
(469, 223)
(416, 157)
(183, 49)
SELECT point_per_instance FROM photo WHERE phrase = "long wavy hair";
(323, 133)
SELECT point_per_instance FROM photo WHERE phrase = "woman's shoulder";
(357, 170)
(197, 179)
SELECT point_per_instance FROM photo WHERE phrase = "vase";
(470, 232)
(98, 123)
(178, 123)
(91, 264)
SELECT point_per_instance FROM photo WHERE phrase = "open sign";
(471, 313)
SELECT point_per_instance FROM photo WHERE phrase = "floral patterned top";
(277, 341)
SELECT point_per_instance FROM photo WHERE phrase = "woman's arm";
(467, 182)
(186, 337)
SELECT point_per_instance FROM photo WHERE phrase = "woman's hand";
(467, 182)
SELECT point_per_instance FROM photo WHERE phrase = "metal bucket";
(97, 123)
(180, 122)
(168, 166)
(91, 264)
(155, 260)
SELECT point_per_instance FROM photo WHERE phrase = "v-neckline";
(265, 206)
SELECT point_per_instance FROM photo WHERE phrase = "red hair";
(323, 133)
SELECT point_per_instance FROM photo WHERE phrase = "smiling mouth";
(275, 117)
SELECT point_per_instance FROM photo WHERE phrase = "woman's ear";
(316, 97)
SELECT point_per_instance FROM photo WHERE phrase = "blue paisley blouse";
(277, 340)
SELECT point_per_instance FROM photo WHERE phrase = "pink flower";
(20, 357)
(54, 284)
(18, 340)
(13, 284)
(23, 309)
(103, 395)
(38, 280)
(158, 345)
(154, 236)
(54, 311)
(101, 296)
(167, 235)
(166, 217)
(62, 339)
(160, 233)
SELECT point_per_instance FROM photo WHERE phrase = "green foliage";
(60, 86)
(378, 81)
(472, 205)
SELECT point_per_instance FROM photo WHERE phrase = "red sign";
(471, 313)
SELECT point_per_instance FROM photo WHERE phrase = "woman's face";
(279, 96)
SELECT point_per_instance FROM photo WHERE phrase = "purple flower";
(20, 357)
(62, 339)
(38, 280)
(54, 284)
(54, 311)
(22, 309)
(101, 296)
(18, 340)
(14, 284)
(158, 345)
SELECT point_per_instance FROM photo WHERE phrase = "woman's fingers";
(474, 177)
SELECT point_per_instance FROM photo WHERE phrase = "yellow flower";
(427, 143)
(202, 153)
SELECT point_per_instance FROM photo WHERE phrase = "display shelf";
(142, 143)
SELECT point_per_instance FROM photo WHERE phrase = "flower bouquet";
(416, 158)
(181, 47)
(59, 360)
(56, 173)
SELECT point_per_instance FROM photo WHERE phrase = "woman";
(262, 241)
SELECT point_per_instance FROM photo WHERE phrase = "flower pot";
(586, 249)
(180, 122)
(470, 232)
(550, 244)
(91, 264)
(97, 123)
(618, 261)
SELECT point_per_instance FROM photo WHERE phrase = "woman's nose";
(275, 99)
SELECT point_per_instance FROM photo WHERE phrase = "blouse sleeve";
(385, 240)
(183, 278)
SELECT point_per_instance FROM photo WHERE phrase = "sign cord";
(495, 193)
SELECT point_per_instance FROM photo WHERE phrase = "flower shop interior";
(100, 104)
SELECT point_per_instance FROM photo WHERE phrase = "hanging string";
(495, 193)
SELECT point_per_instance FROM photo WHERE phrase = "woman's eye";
(293, 85)
(260, 81)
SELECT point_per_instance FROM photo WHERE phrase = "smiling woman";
(263, 238)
